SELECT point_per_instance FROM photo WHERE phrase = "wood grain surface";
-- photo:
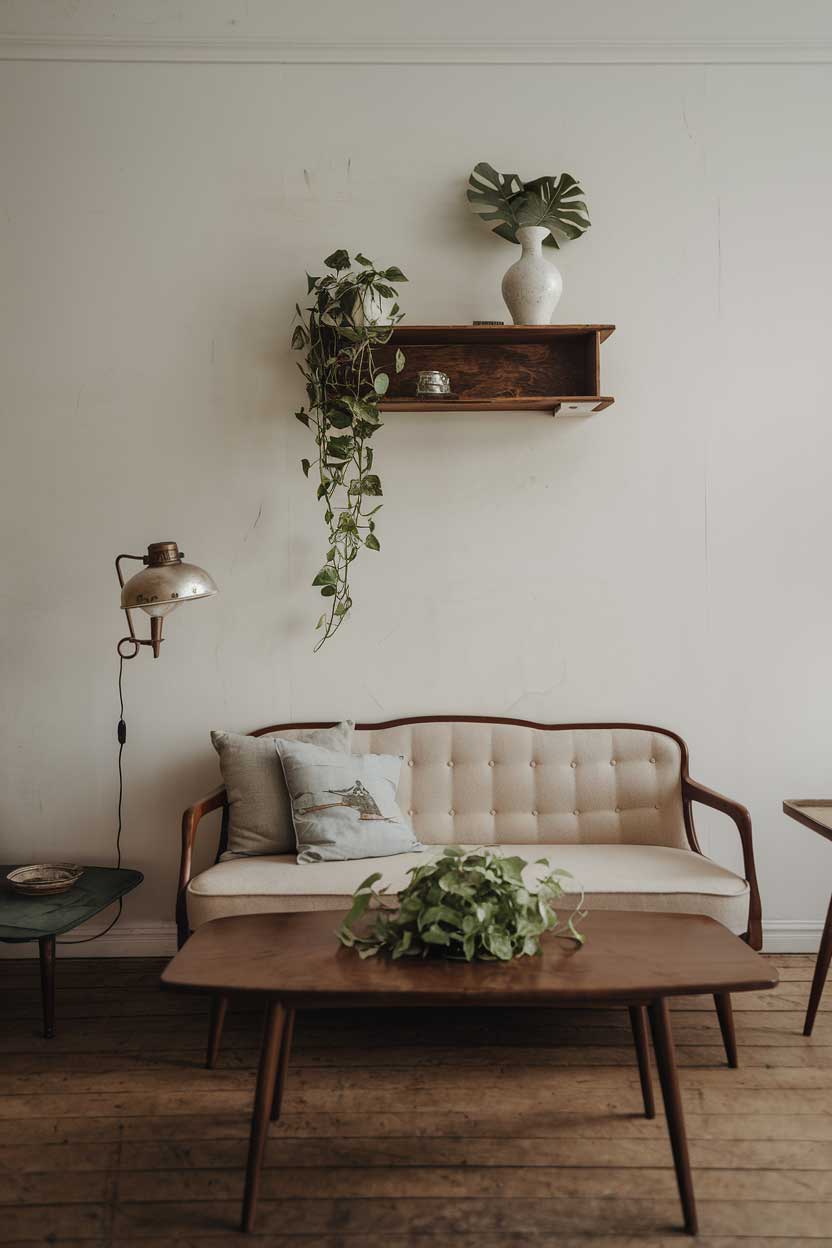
(485, 1128)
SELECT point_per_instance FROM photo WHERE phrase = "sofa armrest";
(692, 791)
(217, 800)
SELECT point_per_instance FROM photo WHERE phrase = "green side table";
(44, 918)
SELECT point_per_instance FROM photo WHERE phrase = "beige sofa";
(611, 803)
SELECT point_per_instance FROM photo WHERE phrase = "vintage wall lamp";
(165, 582)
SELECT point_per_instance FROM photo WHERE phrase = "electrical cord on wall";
(121, 733)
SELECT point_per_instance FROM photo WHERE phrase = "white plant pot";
(371, 309)
(532, 286)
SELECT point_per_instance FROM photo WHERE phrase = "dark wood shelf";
(528, 403)
(509, 368)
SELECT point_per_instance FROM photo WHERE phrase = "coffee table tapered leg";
(725, 1014)
(47, 984)
(219, 1005)
(638, 1022)
(283, 1064)
(263, 1097)
(669, 1078)
(821, 969)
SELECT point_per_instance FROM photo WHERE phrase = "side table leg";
(821, 969)
(47, 984)
(725, 1014)
(638, 1022)
(283, 1064)
(669, 1078)
(263, 1098)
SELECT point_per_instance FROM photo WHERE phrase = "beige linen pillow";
(260, 812)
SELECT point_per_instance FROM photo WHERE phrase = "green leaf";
(339, 260)
(370, 484)
(368, 264)
(400, 359)
(380, 383)
(340, 448)
(299, 337)
(326, 576)
(394, 274)
(328, 591)
(304, 463)
(372, 542)
(310, 284)
(302, 417)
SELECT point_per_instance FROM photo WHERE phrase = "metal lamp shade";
(158, 590)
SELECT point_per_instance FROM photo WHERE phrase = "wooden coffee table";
(294, 961)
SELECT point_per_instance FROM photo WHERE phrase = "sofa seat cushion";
(614, 877)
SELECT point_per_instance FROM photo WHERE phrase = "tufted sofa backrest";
(490, 782)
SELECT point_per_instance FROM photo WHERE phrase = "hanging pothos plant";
(343, 388)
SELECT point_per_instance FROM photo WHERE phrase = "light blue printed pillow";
(344, 805)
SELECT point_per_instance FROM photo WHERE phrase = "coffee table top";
(814, 812)
(628, 957)
(29, 918)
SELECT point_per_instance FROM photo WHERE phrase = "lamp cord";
(121, 733)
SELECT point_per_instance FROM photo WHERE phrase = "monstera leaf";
(555, 203)
(492, 194)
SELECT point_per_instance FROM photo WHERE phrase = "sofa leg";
(219, 1005)
(638, 1022)
(725, 1014)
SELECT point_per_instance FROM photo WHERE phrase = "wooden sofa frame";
(692, 792)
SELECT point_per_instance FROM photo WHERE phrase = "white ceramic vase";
(532, 286)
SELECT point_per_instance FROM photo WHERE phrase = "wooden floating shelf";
(508, 368)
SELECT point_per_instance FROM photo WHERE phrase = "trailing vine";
(343, 388)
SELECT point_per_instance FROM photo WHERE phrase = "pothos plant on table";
(339, 332)
(465, 904)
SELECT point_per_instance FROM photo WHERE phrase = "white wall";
(665, 561)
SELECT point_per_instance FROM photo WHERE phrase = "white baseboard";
(791, 936)
(126, 940)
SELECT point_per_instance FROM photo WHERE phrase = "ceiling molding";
(236, 50)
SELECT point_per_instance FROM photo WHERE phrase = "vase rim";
(532, 231)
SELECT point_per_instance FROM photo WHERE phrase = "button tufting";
(451, 812)
(532, 763)
(491, 762)
(410, 762)
(411, 812)
(612, 762)
(573, 763)
(576, 812)
(450, 763)
(652, 760)
(534, 812)
(492, 812)
(618, 810)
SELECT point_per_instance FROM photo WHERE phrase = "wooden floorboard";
(492, 1129)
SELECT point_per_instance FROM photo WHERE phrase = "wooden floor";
(477, 1130)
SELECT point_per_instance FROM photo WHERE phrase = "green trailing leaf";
(400, 359)
(338, 260)
(556, 203)
(462, 904)
(343, 387)
(326, 576)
